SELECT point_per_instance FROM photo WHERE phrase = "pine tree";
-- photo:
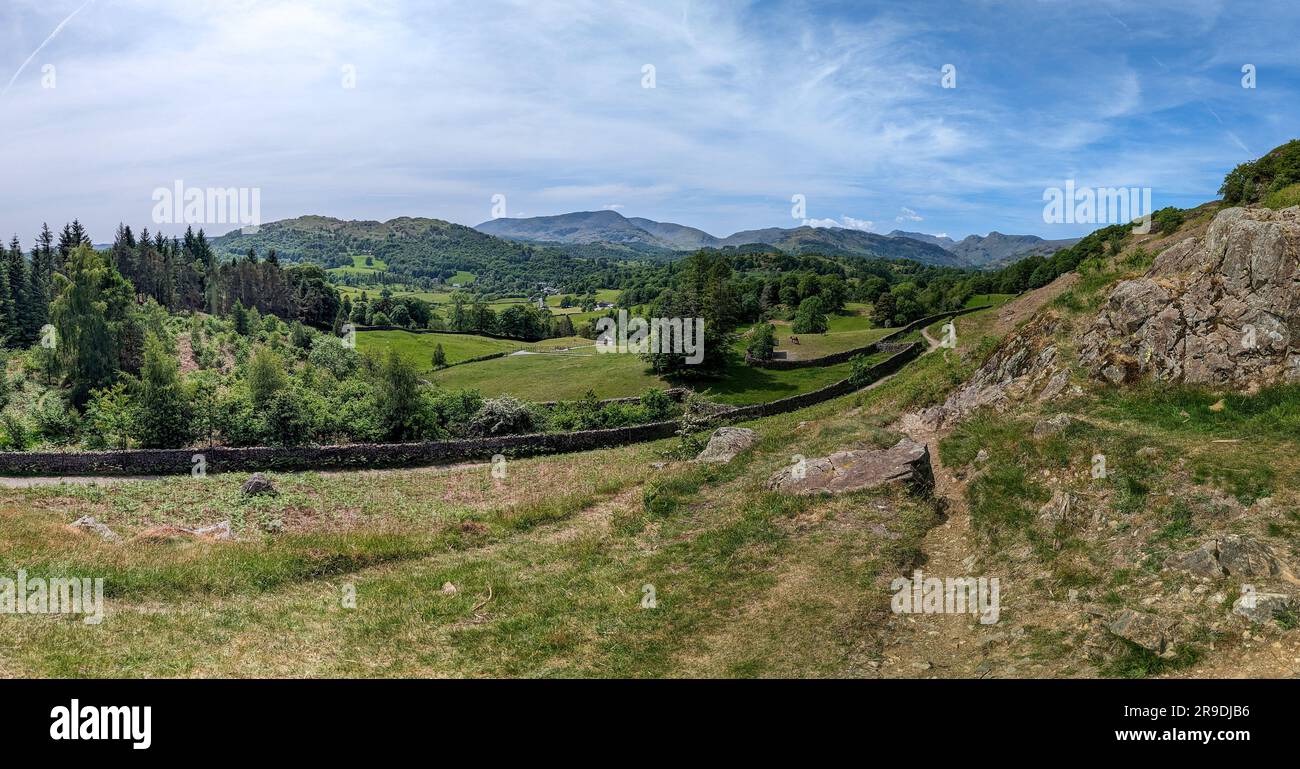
(40, 279)
(239, 318)
(162, 417)
(19, 321)
(7, 313)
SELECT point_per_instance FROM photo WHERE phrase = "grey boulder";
(726, 443)
(907, 462)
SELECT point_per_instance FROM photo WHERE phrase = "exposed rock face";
(1232, 555)
(726, 443)
(258, 484)
(1222, 310)
(1024, 366)
(906, 462)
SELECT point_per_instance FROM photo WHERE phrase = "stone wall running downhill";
(884, 344)
(373, 455)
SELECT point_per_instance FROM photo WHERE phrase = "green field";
(418, 348)
(561, 376)
(819, 345)
(359, 267)
(602, 295)
(994, 299)
(554, 376)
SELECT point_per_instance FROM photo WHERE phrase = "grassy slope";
(747, 583)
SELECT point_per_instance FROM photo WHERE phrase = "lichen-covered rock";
(1262, 607)
(1052, 425)
(726, 443)
(1201, 562)
(1145, 630)
(257, 485)
(1245, 557)
(1221, 310)
(906, 462)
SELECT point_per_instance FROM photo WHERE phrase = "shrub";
(1256, 179)
(162, 416)
(1167, 220)
(236, 419)
(762, 344)
(332, 355)
(16, 436)
(1284, 198)
(55, 422)
(265, 375)
(284, 420)
(657, 404)
(300, 336)
(109, 415)
(350, 413)
(399, 405)
(860, 370)
(453, 409)
(504, 416)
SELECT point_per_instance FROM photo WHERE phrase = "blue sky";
(544, 104)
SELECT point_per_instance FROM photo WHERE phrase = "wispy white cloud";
(41, 47)
(544, 102)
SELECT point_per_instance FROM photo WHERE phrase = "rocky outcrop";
(1231, 555)
(906, 462)
(1220, 310)
(726, 443)
(1024, 366)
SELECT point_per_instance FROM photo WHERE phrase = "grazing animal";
(794, 340)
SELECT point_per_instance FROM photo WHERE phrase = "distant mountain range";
(611, 228)
(992, 250)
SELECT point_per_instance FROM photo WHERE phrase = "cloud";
(41, 47)
(858, 224)
(908, 215)
(844, 223)
(543, 102)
